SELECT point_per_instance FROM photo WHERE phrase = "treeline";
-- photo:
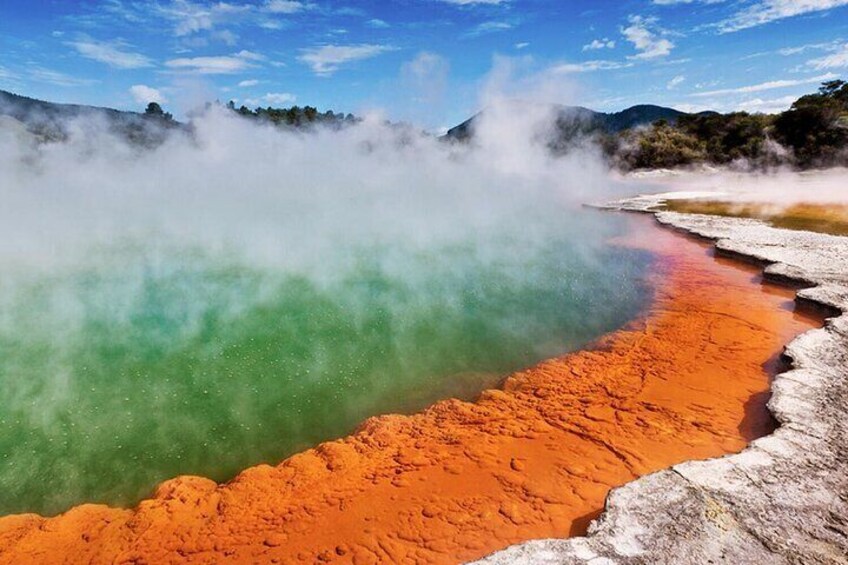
(812, 133)
(295, 116)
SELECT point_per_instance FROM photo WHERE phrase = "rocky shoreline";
(784, 499)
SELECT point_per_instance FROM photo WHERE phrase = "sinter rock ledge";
(785, 498)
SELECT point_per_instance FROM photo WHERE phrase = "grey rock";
(784, 499)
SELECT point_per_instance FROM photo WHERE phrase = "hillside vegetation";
(51, 122)
(576, 121)
(294, 116)
(812, 133)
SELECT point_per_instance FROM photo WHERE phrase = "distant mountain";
(641, 115)
(576, 119)
(49, 121)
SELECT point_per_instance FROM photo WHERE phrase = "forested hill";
(49, 121)
(577, 119)
(812, 133)
(295, 116)
(25, 109)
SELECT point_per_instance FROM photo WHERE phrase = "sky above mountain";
(429, 61)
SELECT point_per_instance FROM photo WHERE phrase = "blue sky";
(423, 60)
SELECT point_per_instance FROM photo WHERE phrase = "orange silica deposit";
(461, 480)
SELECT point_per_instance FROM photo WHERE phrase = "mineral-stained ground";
(784, 499)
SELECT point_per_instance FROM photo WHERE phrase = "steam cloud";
(777, 188)
(280, 196)
(240, 292)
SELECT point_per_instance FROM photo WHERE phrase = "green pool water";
(133, 363)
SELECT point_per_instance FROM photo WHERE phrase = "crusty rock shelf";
(785, 498)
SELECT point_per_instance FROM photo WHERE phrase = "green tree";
(660, 146)
(728, 137)
(154, 110)
(816, 127)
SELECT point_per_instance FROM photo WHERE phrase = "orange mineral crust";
(461, 480)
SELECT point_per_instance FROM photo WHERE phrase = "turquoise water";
(132, 362)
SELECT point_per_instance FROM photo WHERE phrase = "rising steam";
(241, 291)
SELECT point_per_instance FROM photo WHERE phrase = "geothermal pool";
(533, 459)
(136, 359)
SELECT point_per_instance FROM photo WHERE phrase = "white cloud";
(327, 59)
(144, 94)
(766, 11)
(275, 99)
(280, 98)
(589, 66)
(189, 17)
(647, 42)
(248, 83)
(771, 85)
(829, 46)
(693, 108)
(838, 60)
(675, 82)
(673, 2)
(773, 106)
(41, 74)
(271, 24)
(225, 36)
(6, 74)
(110, 54)
(209, 65)
(522, 45)
(750, 105)
(599, 44)
(250, 55)
(472, 2)
(285, 6)
(489, 27)
(222, 65)
(377, 23)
